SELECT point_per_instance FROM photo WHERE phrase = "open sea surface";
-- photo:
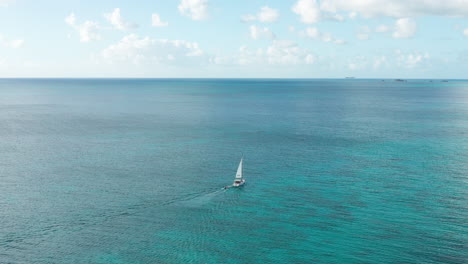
(131, 170)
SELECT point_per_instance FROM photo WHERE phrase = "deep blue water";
(131, 171)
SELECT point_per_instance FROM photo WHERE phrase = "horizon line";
(232, 78)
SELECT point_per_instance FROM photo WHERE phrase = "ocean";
(131, 171)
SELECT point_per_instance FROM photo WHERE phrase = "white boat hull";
(238, 184)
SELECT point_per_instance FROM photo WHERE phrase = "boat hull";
(238, 184)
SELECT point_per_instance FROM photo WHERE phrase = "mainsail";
(239, 170)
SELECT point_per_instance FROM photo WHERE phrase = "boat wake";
(201, 199)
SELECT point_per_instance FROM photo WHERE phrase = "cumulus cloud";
(115, 18)
(148, 50)
(312, 11)
(15, 43)
(410, 60)
(261, 33)
(316, 34)
(380, 61)
(195, 9)
(310, 59)
(248, 18)
(397, 61)
(157, 22)
(266, 14)
(339, 41)
(334, 17)
(88, 30)
(71, 19)
(308, 10)
(382, 29)
(312, 32)
(465, 32)
(362, 36)
(355, 66)
(360, 62)
(279, 53)
(404, 28)
(397, 8)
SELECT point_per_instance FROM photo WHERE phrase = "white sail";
(239, 170)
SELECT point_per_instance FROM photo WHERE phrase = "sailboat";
(239, 180)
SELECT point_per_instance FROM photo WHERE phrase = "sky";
(234, 39)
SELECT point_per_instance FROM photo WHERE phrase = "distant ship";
(351, 77)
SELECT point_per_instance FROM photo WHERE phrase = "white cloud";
(261, 33)
(310, 59)
(465, 32)
(248, 18)
(148, 50)
(285, 53)
(334, 17)
(339, 41)
(326, 37)
(308, 10)
(380, 61)
(88, 30)
(314, 33)
(71, 19)
(118, 22)
(357, 63)
(397, 61)
(312, 11)
(362, 36)
(382, 29)
(410, 60)
(397, 8)
(279, 53)
(196, 9)
(354, 66)
(404, 28)
(157, 22)
(266, 14)
(15, 43)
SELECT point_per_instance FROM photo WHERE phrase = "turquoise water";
(131, 171)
